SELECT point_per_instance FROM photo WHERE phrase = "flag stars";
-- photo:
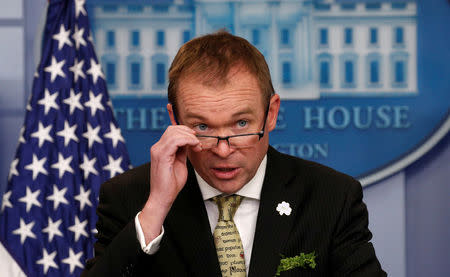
(92, 135)
(94, 103)
(90, 38)
(79, 7)
(78, 37)
(13, 169)
(55, 69)
(79, 228)
(63, 165)
(113, 166)
(49, 101)
(24, 206)
(43, 134)
(96, 71)
(73, 101)
(68, 133)
(77, 69)
(110, 104)
(25, 231)
(48, 260)
(30, 199)
(83, 198)
(6, 202)
(37, 166)
(53, 229)
(58, 197)
(114, 134)
(88, 167)
(62, 37)
(21, 138)
(28, 108)
(73, 260)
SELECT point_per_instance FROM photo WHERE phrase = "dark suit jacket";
(328, 217)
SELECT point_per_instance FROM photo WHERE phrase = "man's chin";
(227, 187)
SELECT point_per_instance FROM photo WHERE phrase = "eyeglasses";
(235, 141)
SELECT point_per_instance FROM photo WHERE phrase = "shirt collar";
(250, 190)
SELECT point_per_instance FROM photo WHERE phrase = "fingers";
(174, 138)
(181, 154)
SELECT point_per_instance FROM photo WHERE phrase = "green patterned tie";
(226, 237)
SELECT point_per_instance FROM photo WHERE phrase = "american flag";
(69, 145)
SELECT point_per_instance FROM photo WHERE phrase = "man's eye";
(202, 127)
(242, 123)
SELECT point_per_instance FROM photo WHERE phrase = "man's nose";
(222, 149)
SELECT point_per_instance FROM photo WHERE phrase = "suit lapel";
(188, 225)
(272, 229)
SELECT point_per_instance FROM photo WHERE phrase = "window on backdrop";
(135, 73)
(373, 70)
(135, 39)
(256, 37)
(325, 70)
(399, 39)
(373, 36)
(399, 67)
(348, 36)
(287, 73)
(135, 67)
(323, 37)
(110, 39)
(349, 70)
(186, 36)
(160, 38)
(110, 67)
(285, 37)
(159, 66)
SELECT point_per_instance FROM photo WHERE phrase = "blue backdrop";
(409, 211)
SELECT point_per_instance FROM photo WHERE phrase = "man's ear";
(272, 114)
(171, 114)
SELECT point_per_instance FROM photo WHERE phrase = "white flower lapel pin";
(284, 208)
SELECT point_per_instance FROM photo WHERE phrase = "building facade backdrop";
(313, 48)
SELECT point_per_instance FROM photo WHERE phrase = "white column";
(274, 47)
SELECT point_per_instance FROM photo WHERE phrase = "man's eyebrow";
(242, 112)
(193, 115)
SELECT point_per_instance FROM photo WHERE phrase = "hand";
(168, 175)
(168, 172)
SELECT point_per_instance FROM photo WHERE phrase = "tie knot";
(227, 206)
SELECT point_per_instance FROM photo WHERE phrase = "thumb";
(181, 154)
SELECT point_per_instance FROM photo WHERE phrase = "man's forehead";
(217, 106)
(241, 94)
(191, 86)
(215, 77)
(192, 113)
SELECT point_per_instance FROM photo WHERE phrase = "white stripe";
(8, 265)
(409, 159)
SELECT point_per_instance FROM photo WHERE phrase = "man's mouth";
(225, 172)
(225, 169)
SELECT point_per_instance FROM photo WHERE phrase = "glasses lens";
(243, 141)
(208, 143)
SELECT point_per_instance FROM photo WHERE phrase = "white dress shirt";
(245, 217)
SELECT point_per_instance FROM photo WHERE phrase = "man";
(168, 219)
